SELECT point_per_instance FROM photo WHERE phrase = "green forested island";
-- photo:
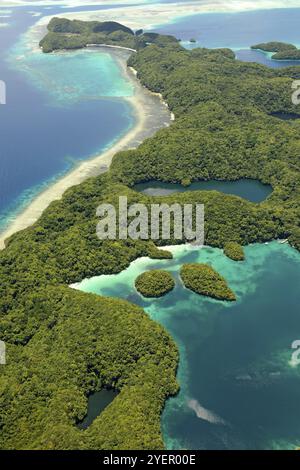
(63, 344)
(282, 50)
(154, 283)
(204, 280)
(234, 251)
(76, 34)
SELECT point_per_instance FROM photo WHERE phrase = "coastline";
(148, 15)
(151, 114)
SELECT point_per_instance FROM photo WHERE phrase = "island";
(66, 34)
(154, 283)
(63, 344)
(204, 280)
(282, 51)
(234, 251)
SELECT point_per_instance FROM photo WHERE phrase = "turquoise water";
(252, 190)
(238, 389)
(61, 109)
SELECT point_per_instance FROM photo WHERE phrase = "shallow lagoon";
(234, 358)
(238, 389)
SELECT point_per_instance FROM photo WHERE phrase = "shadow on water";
(252, 190)
(97, 402)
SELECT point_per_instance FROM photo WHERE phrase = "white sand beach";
(148, 15)
(151, 113)
(189, 6)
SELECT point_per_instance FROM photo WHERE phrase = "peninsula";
(154, 283)
(63, 344)
(281, 50)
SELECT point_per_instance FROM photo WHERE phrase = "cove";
(97, 402)
(238, 388)
(252, 190)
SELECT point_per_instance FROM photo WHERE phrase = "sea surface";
(61, 109)
(64, 108)
(239, 389)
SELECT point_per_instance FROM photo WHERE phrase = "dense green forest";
(234, 251)
(282, 51)
(76, 34)
(154, 283)
(204, 280)
(63, 344)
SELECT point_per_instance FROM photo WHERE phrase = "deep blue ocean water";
(239, 31)
(239, 389)
(40, 137)
(252, 190)
(59, 110)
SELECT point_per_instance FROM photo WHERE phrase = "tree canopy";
(63, 344)
(154, 283)
(234, 251)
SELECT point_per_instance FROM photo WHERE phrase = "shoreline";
(151, 16)
(178, 250)
(111, 46)
(151, 114)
